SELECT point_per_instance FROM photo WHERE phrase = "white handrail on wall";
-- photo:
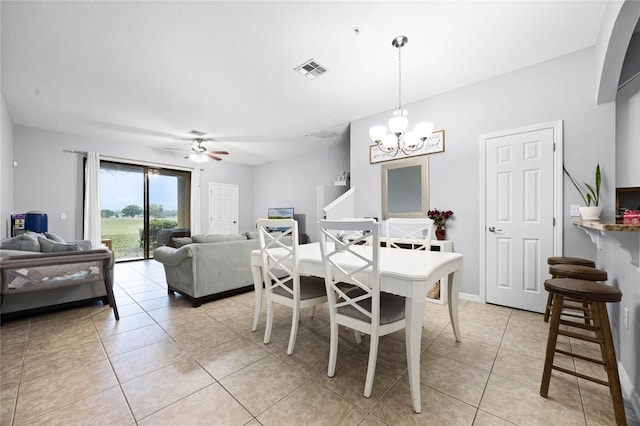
(341, 207)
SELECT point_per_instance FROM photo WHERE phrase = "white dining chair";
(282, 280)
(414, 233)
(361, 307)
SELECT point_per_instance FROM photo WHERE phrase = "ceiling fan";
(199, 152)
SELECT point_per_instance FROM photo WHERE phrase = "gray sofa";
(210, 267)
(21, 304)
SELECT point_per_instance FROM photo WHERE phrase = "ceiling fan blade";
(178, 149)
(196, 140)
(213, 156)
(219, 152)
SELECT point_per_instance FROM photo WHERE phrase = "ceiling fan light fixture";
(198, 157)
(199, 153)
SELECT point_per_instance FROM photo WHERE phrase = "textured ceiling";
(148, 72)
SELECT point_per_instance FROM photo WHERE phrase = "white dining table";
(408, 273)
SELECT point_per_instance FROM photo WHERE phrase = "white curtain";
(195, 201)
(92, 229)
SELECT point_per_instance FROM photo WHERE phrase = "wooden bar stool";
(595, 296)
(565, 260)
(579, 272)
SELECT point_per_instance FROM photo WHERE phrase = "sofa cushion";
(215, 238)
(251, 235)
(48, 246)
(23, 242)
(181, 241)
(54, 237)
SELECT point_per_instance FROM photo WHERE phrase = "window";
(138, 203)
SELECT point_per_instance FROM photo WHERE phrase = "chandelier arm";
(391, 151)
(409, 150)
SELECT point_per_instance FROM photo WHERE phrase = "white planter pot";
(590, 213)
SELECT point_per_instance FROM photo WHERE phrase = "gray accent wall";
(622, 274)
(6, 170)
(51, 180)
(561, 89)
(294, 182)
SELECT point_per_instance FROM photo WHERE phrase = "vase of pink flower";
(439, 220)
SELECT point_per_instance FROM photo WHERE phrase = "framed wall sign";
(433, 144)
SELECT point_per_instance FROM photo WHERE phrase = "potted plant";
(439, 220)
(590, 194)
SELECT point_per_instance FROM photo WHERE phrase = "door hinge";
(554, 221)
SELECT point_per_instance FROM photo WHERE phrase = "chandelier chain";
(400, 79)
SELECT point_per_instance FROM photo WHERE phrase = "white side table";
(442, 245)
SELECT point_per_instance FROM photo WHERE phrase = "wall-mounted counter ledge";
(608, 225)
(625, 235)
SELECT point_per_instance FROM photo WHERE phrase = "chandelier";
(398, 139)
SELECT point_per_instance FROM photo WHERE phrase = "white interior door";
(521, 201)
(223, 208)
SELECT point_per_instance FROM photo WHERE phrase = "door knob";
(493, 229)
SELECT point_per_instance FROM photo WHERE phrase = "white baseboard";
(627, 390)
(470, 297)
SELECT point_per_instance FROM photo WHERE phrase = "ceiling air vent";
(196, 133)
(311, 69)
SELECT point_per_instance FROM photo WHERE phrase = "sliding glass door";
(141, 205)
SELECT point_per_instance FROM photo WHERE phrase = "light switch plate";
(575, 211)
(626, 318)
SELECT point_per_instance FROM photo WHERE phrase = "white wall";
(51, 180)
(560, 89)
(624, 275)
(627, 122)
(293, 182)
(613, 258)
(6, 170)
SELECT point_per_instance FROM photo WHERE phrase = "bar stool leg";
(601, 319)
(547, 309)
(558, 301)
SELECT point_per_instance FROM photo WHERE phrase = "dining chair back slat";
(282, 280)
(352, 279)
(414, 233)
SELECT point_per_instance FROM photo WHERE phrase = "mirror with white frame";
(405, 188)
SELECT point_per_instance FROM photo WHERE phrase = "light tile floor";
(166, 363)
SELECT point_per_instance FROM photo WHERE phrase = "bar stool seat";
(594, 297)
(579, 272)
(561, 260)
